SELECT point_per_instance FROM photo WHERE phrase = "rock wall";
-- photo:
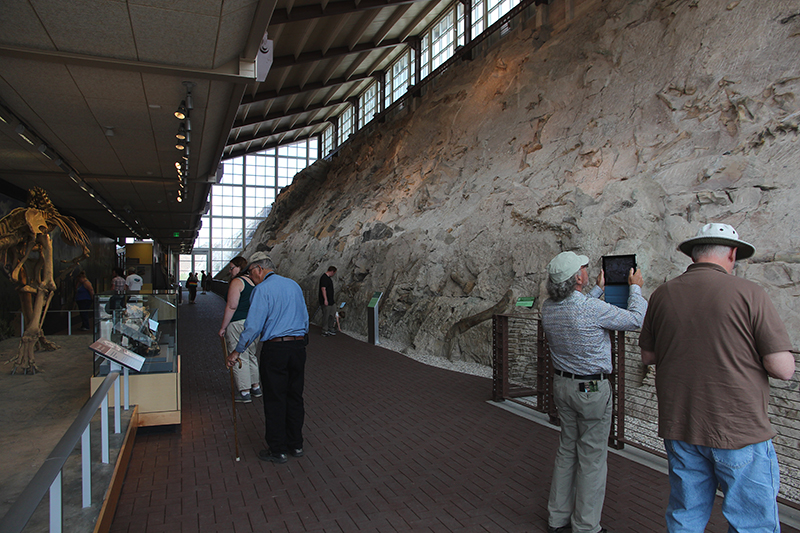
(621, 129)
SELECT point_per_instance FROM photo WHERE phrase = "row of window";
(251, 183)
(437, 44)
(243, 199)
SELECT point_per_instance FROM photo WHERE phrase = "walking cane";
(233, 396)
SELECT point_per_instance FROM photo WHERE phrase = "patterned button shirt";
(577, 329)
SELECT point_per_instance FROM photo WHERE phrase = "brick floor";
(391, 445)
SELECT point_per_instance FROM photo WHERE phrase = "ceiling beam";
(228, 72)
(288, 113)
(265, 10)
(288, 61)
(278, 131)
(282, 16)
(269, 95)
(238, 153)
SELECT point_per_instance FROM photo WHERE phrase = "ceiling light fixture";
(180, 113)
(23, 132)
(180, 145)
(181, 131)
(46, 151)
(189, 102)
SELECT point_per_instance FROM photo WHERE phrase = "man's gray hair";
(560, 291)
(265, 263)
(701, 251)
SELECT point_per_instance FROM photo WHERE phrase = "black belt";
(592, 377)
(279, 339)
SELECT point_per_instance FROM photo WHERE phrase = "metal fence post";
(500, 356)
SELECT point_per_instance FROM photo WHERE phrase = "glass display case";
(145, 323)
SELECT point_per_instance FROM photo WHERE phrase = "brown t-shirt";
(709, 331)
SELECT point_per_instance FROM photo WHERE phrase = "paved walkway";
(391, 445)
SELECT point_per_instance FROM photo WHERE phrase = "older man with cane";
(279, 317)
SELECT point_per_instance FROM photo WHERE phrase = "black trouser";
(282, 371)
(85, 306)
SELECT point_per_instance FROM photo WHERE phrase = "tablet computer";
(617, 267)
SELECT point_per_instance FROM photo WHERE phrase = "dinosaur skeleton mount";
(26, 249)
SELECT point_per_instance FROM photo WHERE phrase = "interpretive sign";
(116, 353)
(525, 301)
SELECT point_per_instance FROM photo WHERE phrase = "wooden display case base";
(158, 396)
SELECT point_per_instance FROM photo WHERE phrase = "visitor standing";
(133, 282)
(118, 282)
(578, 329)
(203, 281)
(715, 339)
(327, 301)
(84, 296)
(238, 304)
(191, 284)
(278, 316)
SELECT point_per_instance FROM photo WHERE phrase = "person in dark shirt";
(327, 302)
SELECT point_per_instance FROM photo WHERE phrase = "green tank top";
(244, 300)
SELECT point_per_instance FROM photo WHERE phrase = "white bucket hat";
(722, 234)
(565, 265)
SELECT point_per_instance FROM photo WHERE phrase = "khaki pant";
(579, 475)
(247, 376)
(329, 318)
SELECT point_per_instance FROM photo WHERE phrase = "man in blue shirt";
(279, 317)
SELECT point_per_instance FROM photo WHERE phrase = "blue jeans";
(748, 477)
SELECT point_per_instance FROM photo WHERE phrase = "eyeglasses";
(250, 270)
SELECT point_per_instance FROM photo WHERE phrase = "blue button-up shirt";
(577, 329)
(277, 309)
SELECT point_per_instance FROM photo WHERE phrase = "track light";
(46, 151)
(180, 113)
(177, 165)
(180, 145)
(23, 132)
(181, 131)
(189, 103)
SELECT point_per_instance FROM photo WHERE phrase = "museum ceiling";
(88, 90)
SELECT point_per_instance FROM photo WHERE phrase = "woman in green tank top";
(238, 303)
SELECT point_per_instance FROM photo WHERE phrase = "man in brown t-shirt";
(714, 339)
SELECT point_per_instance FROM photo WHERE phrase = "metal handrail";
(48, 477)
(49, 311)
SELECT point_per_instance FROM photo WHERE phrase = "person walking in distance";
(578, 329)
(327, 302)
(278, 317)
(715, 339)
(191, 284)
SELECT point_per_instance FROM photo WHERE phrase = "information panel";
(114, 352)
